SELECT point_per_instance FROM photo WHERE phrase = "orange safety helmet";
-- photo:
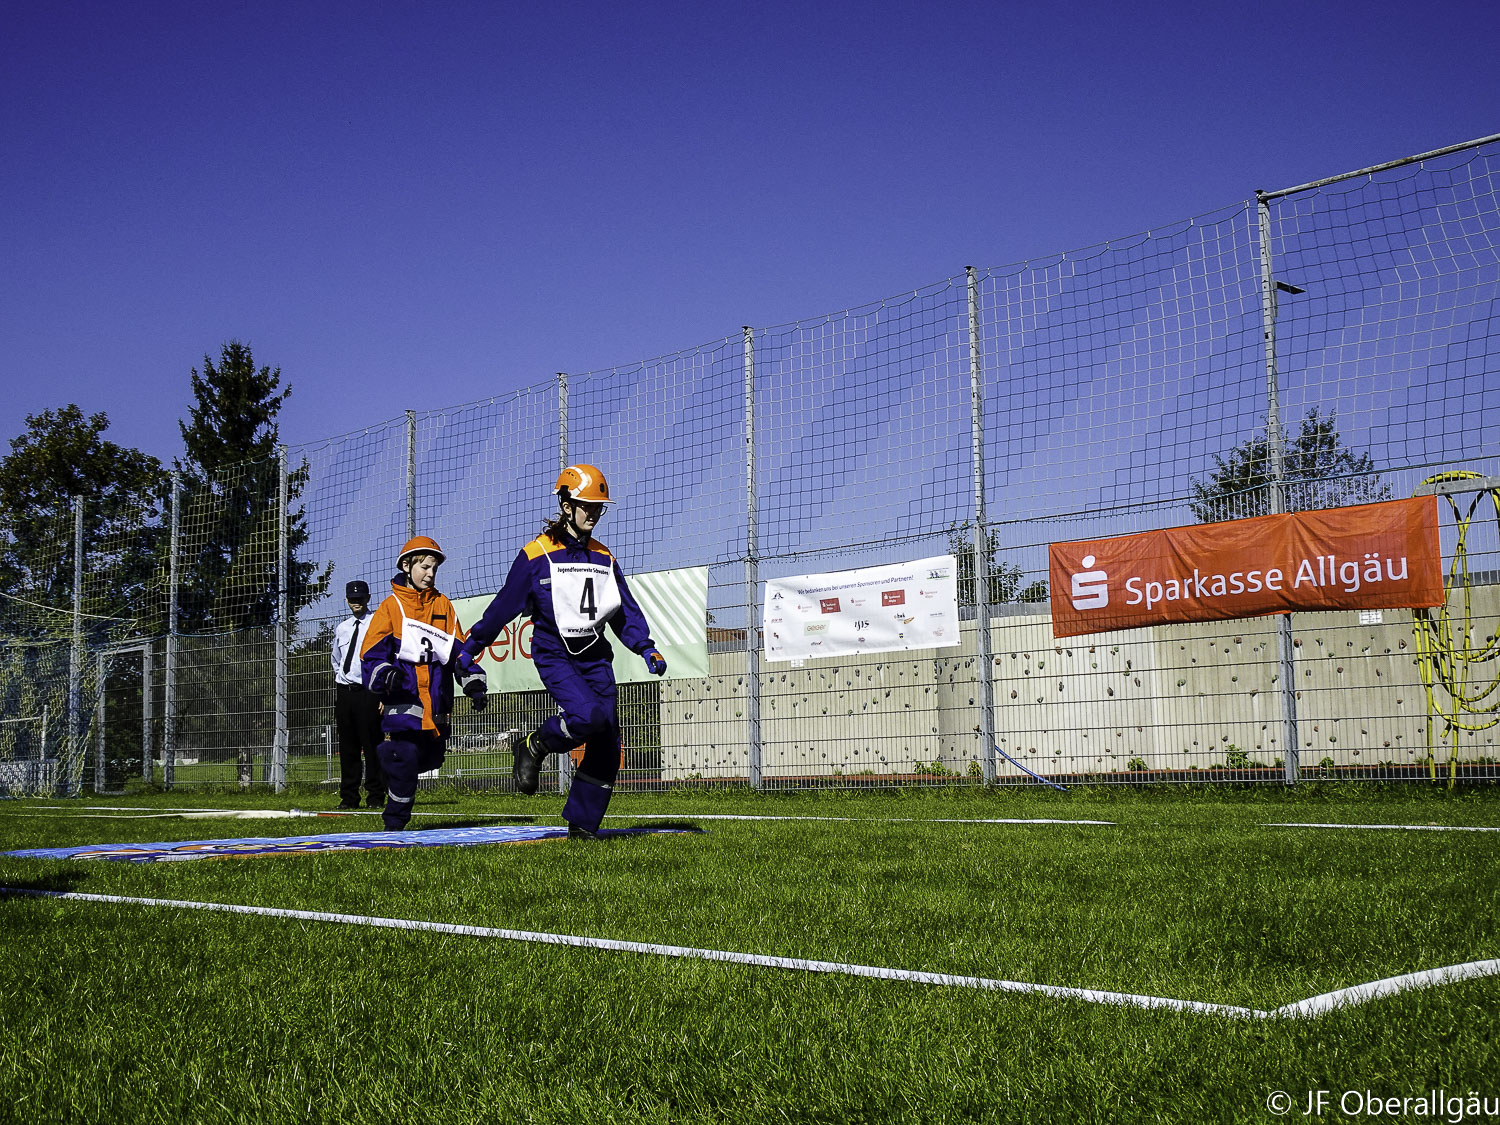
(421, 545)
(584, 483)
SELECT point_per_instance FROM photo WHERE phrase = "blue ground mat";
(330, 842)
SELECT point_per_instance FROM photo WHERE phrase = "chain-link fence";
(1342, 334)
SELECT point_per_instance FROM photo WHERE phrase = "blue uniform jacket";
(528, 590)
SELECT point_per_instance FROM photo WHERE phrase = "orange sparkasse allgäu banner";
(1372, 556)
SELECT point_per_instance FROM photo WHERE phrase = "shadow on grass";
(55, 882)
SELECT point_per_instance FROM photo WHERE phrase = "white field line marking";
(1344, 997)
(1310, 1008)
(850, 819)
(121, 808)
(195, 815)
(1400, 827)
(760, 960)
(270, 814)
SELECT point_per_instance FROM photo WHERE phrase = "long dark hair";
(553, 528)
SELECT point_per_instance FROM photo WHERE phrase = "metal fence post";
(981, 535)
(99, 728)
(752, 572)
(1274, 446)
(280, 743)
(411, 474)
(169, 687)
(564, 761)
(72, 777)
(147, 716)
(562, 420)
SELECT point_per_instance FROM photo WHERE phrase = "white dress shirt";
(348, 639)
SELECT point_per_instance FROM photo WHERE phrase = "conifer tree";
(230, 505)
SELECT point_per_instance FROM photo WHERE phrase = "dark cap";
(357, 592)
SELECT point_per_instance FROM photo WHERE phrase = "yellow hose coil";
(1448, 656)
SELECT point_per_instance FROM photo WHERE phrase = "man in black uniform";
(356, 710)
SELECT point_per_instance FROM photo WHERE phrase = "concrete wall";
(1174, 698)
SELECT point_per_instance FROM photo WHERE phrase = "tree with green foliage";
(230, 505)
(230, 513)
(64, 454)
(1318, 471)
(1005, 578)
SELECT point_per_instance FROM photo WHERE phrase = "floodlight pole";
(1275, 446)
(981, 536)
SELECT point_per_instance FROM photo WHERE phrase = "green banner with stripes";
(675, 603)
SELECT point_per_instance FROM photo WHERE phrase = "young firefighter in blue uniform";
(410, 658)
(571, 587)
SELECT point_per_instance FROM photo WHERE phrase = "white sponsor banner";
(877, 609)
(675, 603)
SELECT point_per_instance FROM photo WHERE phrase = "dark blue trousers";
(586, 692)
(403, 756)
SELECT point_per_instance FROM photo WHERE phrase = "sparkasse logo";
(1090, 587)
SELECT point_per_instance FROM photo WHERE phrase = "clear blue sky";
(415, 205)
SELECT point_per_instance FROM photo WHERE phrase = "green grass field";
(123, 1013)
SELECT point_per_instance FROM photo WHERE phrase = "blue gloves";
(476, 688)
(656, 663)
(383, 679)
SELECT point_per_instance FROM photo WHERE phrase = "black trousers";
(356, 714)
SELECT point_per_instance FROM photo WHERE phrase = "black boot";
(526, 765)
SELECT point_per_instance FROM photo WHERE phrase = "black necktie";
(353, 640)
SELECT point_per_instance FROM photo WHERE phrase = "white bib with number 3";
(422, 643)
(584, 597)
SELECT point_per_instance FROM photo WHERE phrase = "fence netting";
(1134, 385)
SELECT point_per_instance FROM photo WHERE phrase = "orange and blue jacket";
(417, 697)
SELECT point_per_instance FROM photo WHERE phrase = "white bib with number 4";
(422, 643)
(584, 597)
